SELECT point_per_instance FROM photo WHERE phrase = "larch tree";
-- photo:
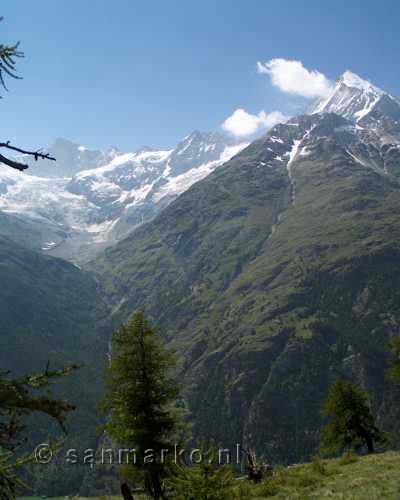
(351, 423)
(140, 399)
(208, 479)
(18, 398)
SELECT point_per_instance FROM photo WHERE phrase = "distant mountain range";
(90, 199)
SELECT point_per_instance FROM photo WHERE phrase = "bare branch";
(17, 164)
(13, 164)
(36, 154)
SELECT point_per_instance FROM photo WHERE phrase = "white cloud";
(274, 118)
(241, 123)
(294, 78)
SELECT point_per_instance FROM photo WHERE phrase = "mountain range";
(271, 275)
(91, 199)
(276, 274)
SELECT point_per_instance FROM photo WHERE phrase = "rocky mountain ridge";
(108, 195)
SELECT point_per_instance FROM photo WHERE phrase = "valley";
(271, 268)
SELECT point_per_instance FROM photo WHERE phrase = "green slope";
(372, 477)
(270, 285)
(50, 311)
(27, 232)
(350, 478)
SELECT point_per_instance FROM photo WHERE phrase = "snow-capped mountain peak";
(352, 80)
(352, 97)
(99, 197)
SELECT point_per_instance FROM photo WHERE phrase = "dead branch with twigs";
(19, 165)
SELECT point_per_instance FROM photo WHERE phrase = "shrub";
(348, 458)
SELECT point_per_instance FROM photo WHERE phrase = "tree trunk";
(126, 492)
(155, 486)
(370, 444)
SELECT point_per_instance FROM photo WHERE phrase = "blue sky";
(132, 73)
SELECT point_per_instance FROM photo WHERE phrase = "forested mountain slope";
(274, 275)
(52, 315)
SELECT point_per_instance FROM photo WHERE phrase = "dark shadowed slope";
(50, 311)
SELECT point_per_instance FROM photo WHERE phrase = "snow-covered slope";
(352, 97)
(71, 159)
(90, 199)
(66, 218)
(93, 208)
(364, 104)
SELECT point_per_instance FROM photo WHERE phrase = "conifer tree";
(351, 423)
(9, 53)
(207, 480)
(18, 398)
(141, 399)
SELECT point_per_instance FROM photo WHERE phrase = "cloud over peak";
(289, 76)
(292, 77)
(241, 123)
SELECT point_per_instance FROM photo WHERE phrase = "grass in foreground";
(359, 478)
(372, 477)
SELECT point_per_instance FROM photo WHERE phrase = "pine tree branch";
(8, 56)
